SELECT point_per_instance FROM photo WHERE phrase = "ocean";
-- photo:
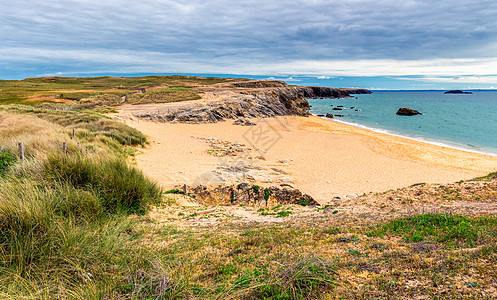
(465, 121)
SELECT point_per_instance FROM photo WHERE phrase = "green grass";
(64, 226)
(7, 158)
(445, 228)
(66, 219)
(98, 91)
(119, 187)
(89, 125)
(174, 191)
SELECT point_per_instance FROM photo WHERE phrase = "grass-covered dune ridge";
(63, 216)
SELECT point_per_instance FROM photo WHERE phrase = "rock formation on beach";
(406, 111)
(246, 194)
(247, 99)
(244, 122)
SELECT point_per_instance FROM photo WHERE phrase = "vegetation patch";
(7, 158)
(446, 228)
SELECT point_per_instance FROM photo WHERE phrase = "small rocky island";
(457, 92)
(406, 111)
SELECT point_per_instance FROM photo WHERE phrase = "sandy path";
(320, 157)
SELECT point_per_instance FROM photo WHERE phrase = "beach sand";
(320, 157)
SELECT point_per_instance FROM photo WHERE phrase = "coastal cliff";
(252, 99)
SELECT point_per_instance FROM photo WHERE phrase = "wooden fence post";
(184, 189)
(21, 151)
(64, 147)
(141, 141)
(72, 134)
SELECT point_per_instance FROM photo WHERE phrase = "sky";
(381, 44)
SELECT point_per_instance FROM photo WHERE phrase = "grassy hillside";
(103, 90)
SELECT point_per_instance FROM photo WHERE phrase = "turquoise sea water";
(467, 121)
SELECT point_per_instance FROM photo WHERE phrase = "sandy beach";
(320, 157)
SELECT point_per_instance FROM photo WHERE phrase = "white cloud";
(98, 60)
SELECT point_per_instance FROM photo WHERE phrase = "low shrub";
(118, 186)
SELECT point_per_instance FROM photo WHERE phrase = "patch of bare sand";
(320, 157)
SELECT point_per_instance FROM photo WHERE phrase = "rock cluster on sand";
(330, 116)
(244, 122)
(252, 195)
(406, 111)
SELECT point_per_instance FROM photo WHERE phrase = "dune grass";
(65, 230)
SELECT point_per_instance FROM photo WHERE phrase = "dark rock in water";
(338, 115)
(406, 111)
(352, 107)
(339, 105)
(320, 115)
(357, 110)
(244, 122)
(328, 115)
(457, 92)
(337, 108)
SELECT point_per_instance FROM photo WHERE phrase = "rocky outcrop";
(254, 99)
(406, 111)
(357, 91)
(251, 195)
(330, 116)
(457, 92)
(260, 84)
(314, 92)
(246, 104)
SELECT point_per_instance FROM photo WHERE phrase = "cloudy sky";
(408, 43)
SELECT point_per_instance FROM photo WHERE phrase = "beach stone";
(244, 122)
(328, 115)
(337, 108)
(406, 111)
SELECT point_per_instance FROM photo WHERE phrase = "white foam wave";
(416, 138)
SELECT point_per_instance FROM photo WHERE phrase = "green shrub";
(174, 191)
(118, 186)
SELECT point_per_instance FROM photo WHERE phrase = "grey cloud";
(272, 31)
